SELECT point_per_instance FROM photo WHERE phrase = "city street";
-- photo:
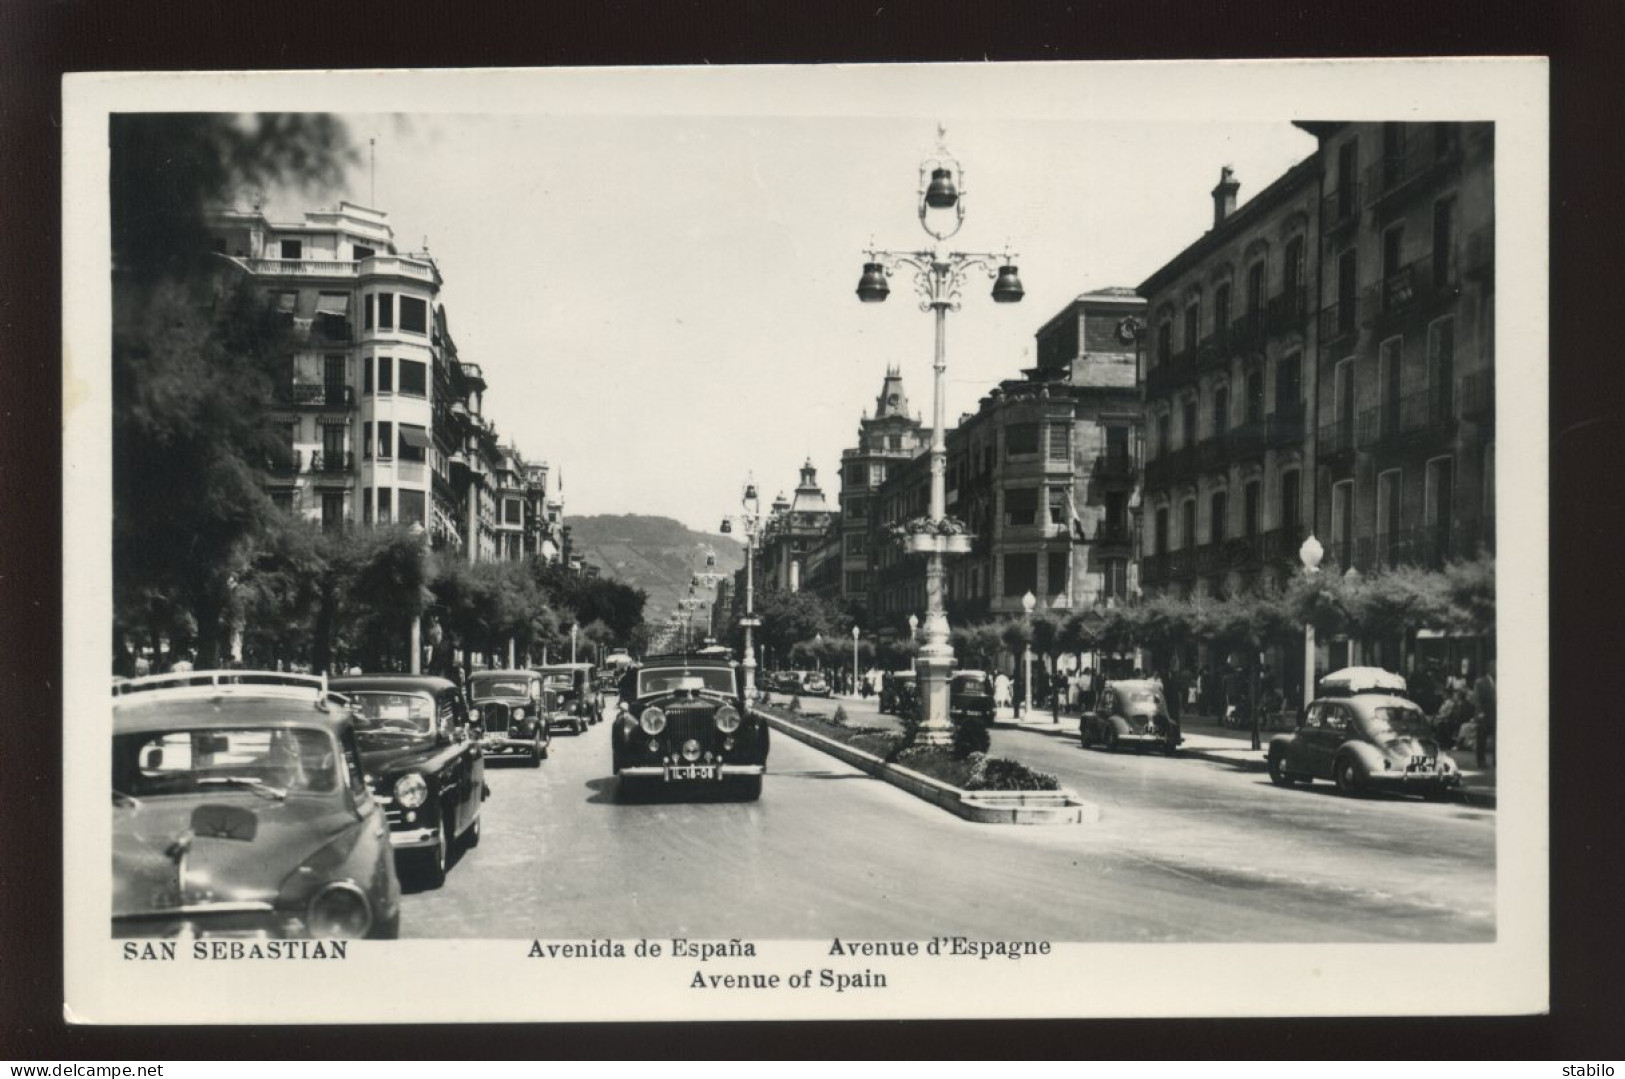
(1185, 850)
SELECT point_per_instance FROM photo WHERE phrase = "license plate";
(691, 771)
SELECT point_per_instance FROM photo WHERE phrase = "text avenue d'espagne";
(682, 948)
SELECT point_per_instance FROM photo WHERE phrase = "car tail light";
(653, 720)
(339, 910)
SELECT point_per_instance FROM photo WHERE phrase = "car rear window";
(218, 760)
(501, 687)
(664, 681)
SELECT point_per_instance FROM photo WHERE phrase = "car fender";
(1368, 755)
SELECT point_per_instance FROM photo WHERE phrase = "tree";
(194, 359)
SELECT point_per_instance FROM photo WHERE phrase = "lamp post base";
(936, 726)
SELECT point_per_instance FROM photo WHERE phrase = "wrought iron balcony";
(1113, 533)
(284, 465)
(1178, 465)
(1338, 320)
(1476, 393)
(1429, 411)
(1412, 287)
(317, 395)
(1154, 569)
(1429, 546)
(1214, 349)
(1207, 558)
(1248, 330)
(1212, 452)
(1287, 426)
(1114, 466)
(332, 465)
(1246, 439)
(1182, 563)
(1341, 208)
(1336, 439)
(1418, 160)
(1281, 544)
(1288, 311)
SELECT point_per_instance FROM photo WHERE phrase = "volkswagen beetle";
(1363, 733)
(240, 809)
(682, 719)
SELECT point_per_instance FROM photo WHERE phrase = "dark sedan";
(682, 719)
(240, 810)
(424, 762)
(1131, 712)
(512, 709)
(970, 695)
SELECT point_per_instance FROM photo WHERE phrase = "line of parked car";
(271, 804)
(797, 683)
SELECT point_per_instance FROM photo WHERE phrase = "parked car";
(240, 809)
(1130, 711)
(970, 695)
(898, 690)
(813, 683)
(682, 719)
(1363, 733)
(512, 710)
(423, 760)
(579, 703)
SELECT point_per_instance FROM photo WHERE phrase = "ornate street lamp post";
(1028, 602)
(939, 275)
(855, 632)
(750, 521)
(1310, 554)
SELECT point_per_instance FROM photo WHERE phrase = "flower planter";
(926, 542)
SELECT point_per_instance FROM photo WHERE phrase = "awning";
(330, 420)
(329, 303)
(416, 437)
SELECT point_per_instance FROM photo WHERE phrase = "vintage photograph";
(672, 524)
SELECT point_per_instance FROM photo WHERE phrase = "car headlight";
(339, 910)
(519, 713)
(653, 720)
(727, 719)
(411, 791)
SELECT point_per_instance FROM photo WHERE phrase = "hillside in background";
(656, 554)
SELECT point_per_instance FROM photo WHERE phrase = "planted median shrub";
(1002, 774)
(971, 737)
(839, 718)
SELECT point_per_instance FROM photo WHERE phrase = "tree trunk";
(1252, 692)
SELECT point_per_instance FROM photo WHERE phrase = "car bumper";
(505, 744)
(412, 838)
(1412, 780)
(658, 771)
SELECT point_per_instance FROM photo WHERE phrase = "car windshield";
(501, 687)
(392, 714)
(1387, 722)
(1141, 696)
(270, 762)
(666, 679)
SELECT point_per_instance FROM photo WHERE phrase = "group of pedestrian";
(1462, 707)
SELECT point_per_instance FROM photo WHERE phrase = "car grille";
(496, 718)
(690, 719)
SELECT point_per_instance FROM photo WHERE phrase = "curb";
(1479, 799)
(981, 807)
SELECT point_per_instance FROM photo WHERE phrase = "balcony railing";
(1286, 426)
(1171, 468)
(1417, 160)
(332, 328)
(1336, 439)
(1338, 320)
(1154, 569)
(1430, 546)
(1114, 466)
(284, 465)
(1113, 532)
(1182, 563)
(1477, 396)
(397, 265)
(1288, 311)
(1411, 287)
(1214, 349)
(1341, 208)
(1246, 439)
(317, 395)
(1424, 412)
(324, 464)
(1212, 452)
(1281, 544)
(1248, 330)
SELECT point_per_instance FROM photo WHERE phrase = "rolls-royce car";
(682, 719)
(1363, 733)
(424, 763)
(240, 809)
(512, 709)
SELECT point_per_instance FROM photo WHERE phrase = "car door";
(452, 716)
(1300, 748)
(1334, 727)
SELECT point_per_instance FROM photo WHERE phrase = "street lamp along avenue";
(750, 520)
(939, 275)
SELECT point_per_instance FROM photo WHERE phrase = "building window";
(1444, 248)
(415, 378)
(1221, 410)
(857, 507)
(1162, 530)
(1057, 506)
(293, 249)
(1441, 370)
(366, 376)
(287, 304)
(386, 375)
(1348, 164)
(1288, 381)
(894, 442)
(366, 440)
(1059, 563)
(1187, 522)
(1164, 422)
(1346, 286)
(855, 581)
(362, 252)
(386, 311)
(513, 511)
(1292, 270)
(1117, 446)
(1189, 417)
(1114, 578)
(1117, 514)
(386, 511)
(1060, 441)
(1165, 341)
(857, 474)
(1249, 507)
(1343, 524)
(414, 315)
(1219, 512)
(366, 503)
(1021, 439)
(1221, 308)
(1020, 574)
(1193, 320)
(1020, 505)
(414, 442)
(367, 307)
(1291, 501)
(282, 500)
(386, 439)
(332, 511)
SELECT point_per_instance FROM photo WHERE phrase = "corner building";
(887, 440)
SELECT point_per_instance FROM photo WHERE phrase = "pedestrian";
(1461, 681)
(1174, 695)
(183, 664)
(1484, 702)
(1001, 690)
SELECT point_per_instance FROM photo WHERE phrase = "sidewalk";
(1206, 739)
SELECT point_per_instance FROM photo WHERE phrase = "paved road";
(1186, 851)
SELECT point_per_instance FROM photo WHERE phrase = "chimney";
(1224, 195)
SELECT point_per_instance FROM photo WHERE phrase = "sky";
(662, 299)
